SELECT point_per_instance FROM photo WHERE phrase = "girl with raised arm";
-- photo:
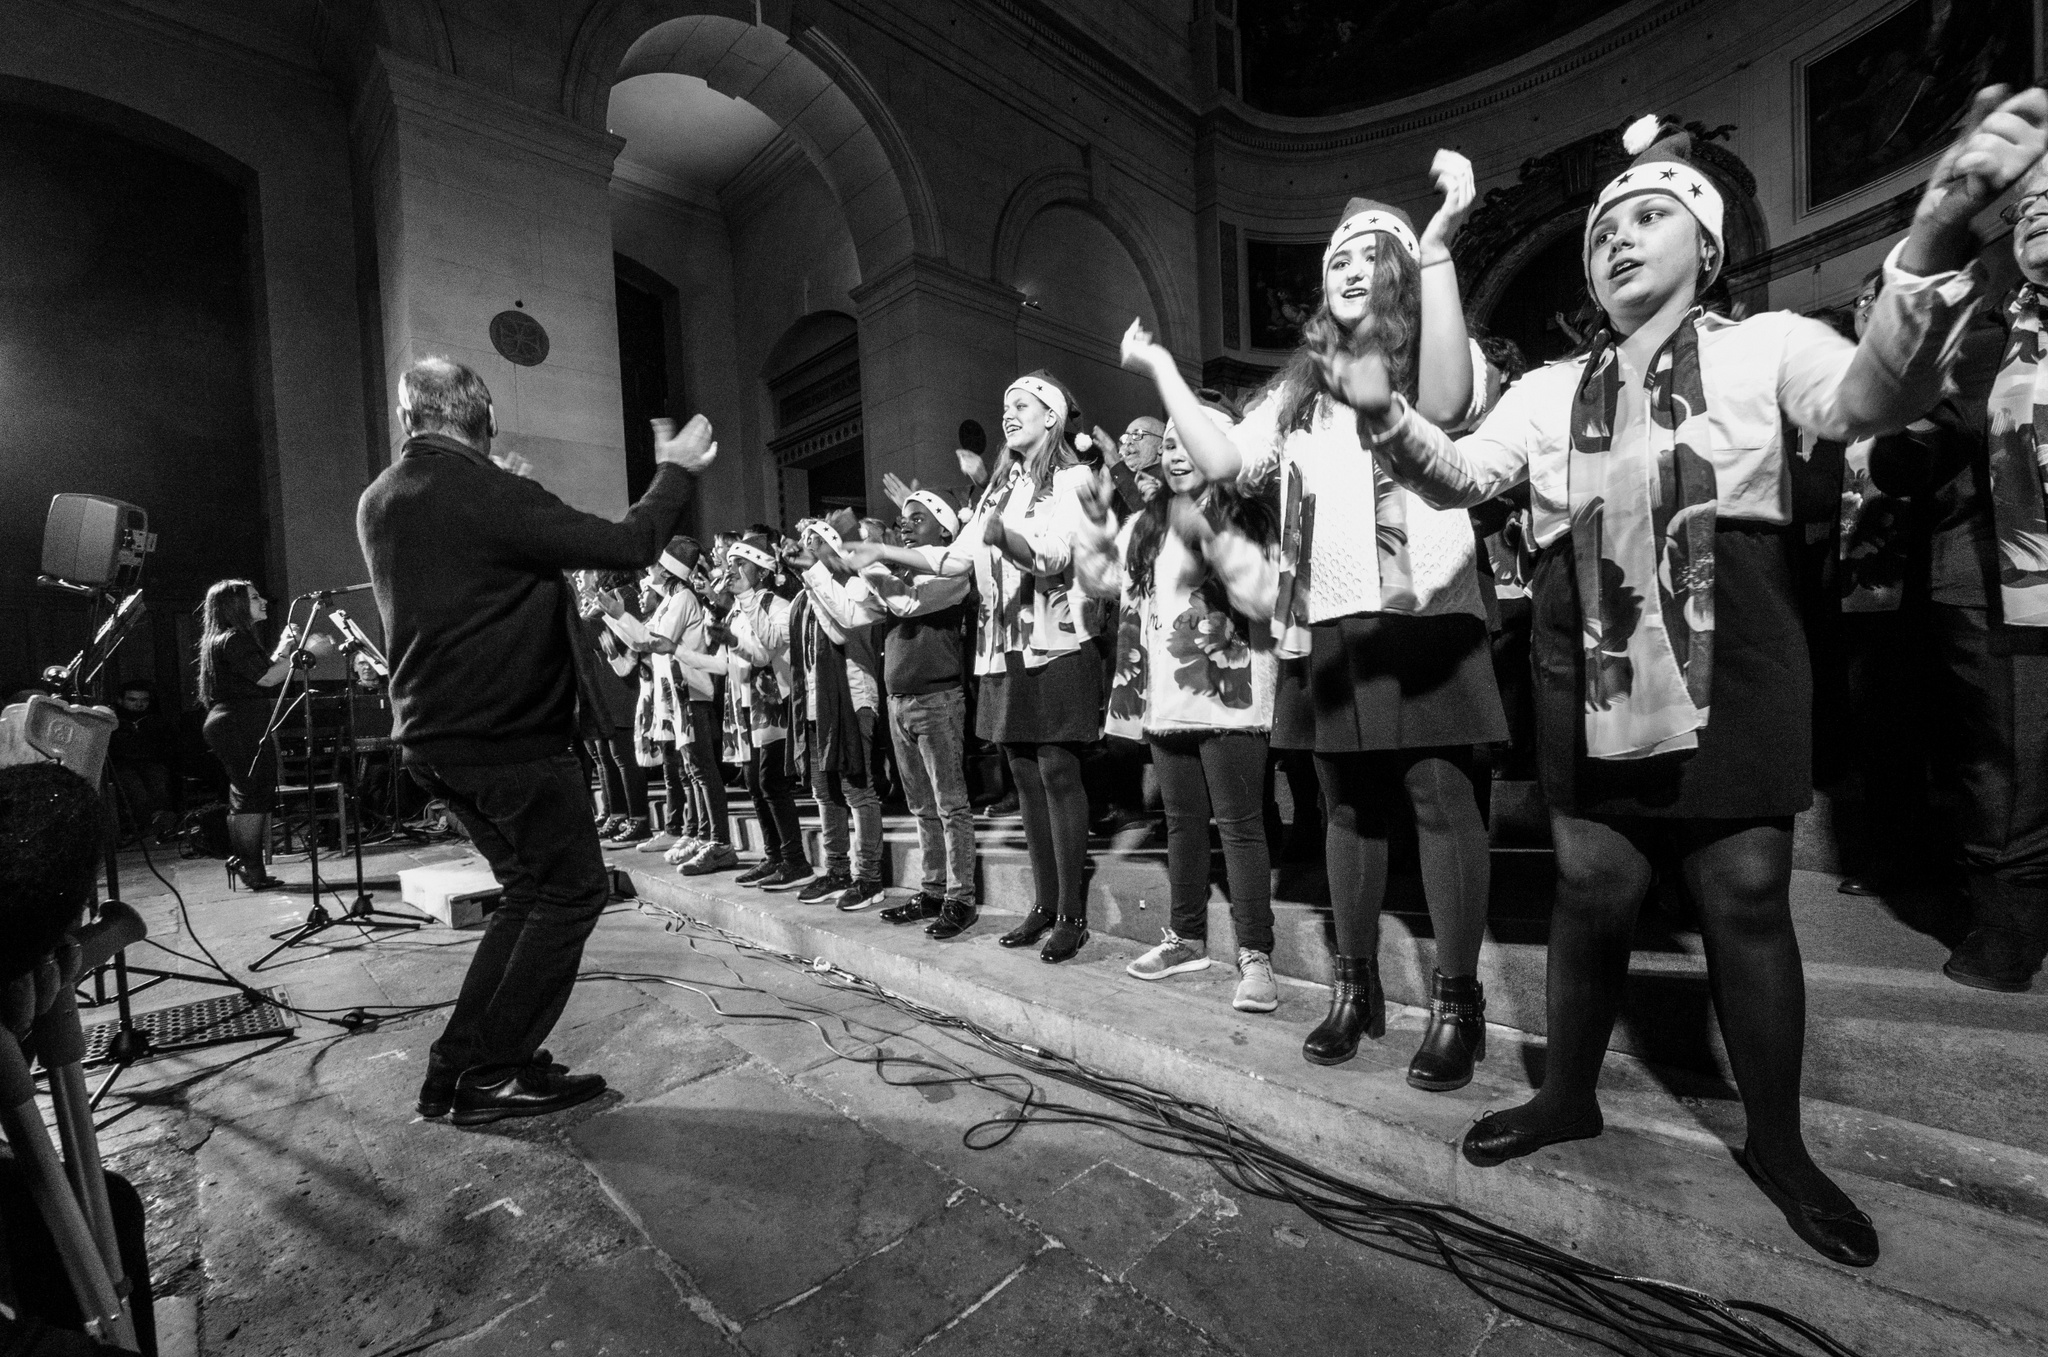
(1388, 678)
(1673, 703)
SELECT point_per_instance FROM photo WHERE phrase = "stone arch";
(1075, 188)
(805, 82)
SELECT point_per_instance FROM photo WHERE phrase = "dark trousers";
(774, 793)
(531, 821)
(1990, 721)
(1223, 773)
(625, 781)
(700, 766)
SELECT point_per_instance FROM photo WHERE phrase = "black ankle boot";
(1035, 926)
(1455, 1037)
(1068, 937)
(1357, 1008)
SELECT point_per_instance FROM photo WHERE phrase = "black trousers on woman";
(1219, 775)
(774, 793)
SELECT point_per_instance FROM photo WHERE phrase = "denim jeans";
(531, 821)
(844, 796)
(930, 734)
(1224, 772)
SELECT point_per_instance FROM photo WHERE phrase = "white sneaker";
(1256, 992)
(1172, 956)
(683, 851)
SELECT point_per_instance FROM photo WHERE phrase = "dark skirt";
(234, 732)
(1755, 757)
(1390, 681)
(1061, 703)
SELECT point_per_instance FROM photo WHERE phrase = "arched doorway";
(813, 381)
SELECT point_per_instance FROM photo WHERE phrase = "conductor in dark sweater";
(468, 560)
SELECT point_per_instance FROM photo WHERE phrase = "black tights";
(1054, 803)
(1739, 873)
(1362, 796)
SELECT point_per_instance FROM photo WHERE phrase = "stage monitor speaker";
(89, 539)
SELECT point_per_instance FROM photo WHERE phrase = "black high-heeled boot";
(1358, 1008)
(241, 876)
(1035, 926)
(1455, 1037)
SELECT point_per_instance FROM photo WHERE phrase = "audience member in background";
(608, 672)
(238, 685)
(1197, 571)
(924, 671)
(839, 690)
(143, 757)
(756, 635)
(700, 668)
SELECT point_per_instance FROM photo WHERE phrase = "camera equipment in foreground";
(361, 911)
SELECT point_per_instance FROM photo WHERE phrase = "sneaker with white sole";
(1256, 992)
(1172, 956)
(683, 851)
(716, 857)
(657, 843)
(828, 886)
(788, 876)
(863, 892)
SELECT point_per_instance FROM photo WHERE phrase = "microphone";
(335, 593)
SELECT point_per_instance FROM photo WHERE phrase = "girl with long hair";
(1673, 711)
(1041, 676)
(236, 677)
(1387, 675)
(1197, 571)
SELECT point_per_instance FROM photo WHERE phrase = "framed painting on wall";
(1284, 283)
(1891, 94)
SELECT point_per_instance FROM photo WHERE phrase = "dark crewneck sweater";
(467, 560)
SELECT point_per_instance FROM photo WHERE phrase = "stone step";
(1964, 1222)
(1886, 1032)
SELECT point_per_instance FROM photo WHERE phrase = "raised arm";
(544, 531)
(1448, 474)
(1444, 375)
(1208, 446)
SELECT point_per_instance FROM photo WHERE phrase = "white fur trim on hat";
(1640, 135)
(1373, 219)
(826, 531)
(674, 566)
(937, 507)
(1051, 396)
(747, 551)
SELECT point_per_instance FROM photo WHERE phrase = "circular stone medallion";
(520, 338)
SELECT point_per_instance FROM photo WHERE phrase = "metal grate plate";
(206, 1022)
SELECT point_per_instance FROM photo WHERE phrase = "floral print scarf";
(2019, 475)
(1642, 525)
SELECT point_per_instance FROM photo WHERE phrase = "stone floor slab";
(1059, 1307)
(622, 1307)
(1112, 1217)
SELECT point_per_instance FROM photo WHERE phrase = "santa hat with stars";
(1663, 164)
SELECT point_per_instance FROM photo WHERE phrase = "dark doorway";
(643, 366)
(129, 335)
(1545, 302)
(841, 483)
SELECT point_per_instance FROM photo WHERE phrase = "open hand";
(1094, 494)
(1359, 380)
(609, 601)
(1453, 176)
(2002, 137)
(693, 449)
(971, 466)
(1142, 353)
(897, 489)
(1189, 523)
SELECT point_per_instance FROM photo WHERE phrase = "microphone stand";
(360, 912)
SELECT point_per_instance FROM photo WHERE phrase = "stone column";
(482, 205)
(937, 346)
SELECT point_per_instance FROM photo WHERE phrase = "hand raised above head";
(971, 466)
(897, 489)
(693, 449)
(2002, 138)
(1453, 176)
(1141, 352)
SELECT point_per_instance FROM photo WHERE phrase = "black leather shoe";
(437, 1090)
(244, 876)
(918, 908)
(1035, 926)
(1846, 1237)
(1494, 1140)
(529, 1092)
(1455, 1037)
(955, 918)
(1357, 1008)
(1068, 937)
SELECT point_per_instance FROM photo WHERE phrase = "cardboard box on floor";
(459, 893)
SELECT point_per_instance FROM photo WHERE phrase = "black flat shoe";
(954, 919)
(1034, 927)
(1068, 937)
(1845, 1237)
(529, 1092)
(914, 910)
(1493, 1141)
(437, 1090)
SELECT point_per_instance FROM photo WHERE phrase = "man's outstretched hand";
(693, 449)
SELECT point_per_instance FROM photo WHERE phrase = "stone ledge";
(1657, 1195)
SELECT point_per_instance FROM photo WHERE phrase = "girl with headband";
(1041, 678)
(1197, 571)
(761, 681)
(1387, 672)
(1673, 707)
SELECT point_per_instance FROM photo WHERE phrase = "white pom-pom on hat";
(1083, 442)
(1638, 136)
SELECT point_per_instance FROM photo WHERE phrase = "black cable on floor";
(1521, 1275)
